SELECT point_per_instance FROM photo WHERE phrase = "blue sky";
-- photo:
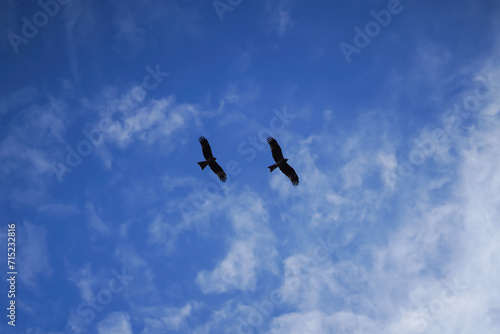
(387, 111)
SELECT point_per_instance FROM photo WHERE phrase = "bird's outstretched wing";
(214, 166)
(290, 172)
(275, 149)
(205, 146)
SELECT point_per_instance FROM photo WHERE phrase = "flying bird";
(210, 160)
(281, 162)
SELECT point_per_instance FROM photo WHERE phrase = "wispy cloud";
(26, 151)
(115, 323)
(166, 318)
(17, 99)
(418, 279)
(33, 254)
(279, 19)
(95, 222)
(251, 251)
(154, 122)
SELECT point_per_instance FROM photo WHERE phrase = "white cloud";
(280, 20)
(174, 318)
(154, 122)
(242, 93)
(437, 268)
(251, 250)
(87, 280)
(352, 172)
(420, 257)
(320, 323)
(28, 137)
(163, 319)
(236, 271)
(142, 287)
(243, 61)
(95, 222)
(17, 99)
(115, 323)
(27, 152)
(59, 209)
(129, 30)
(33, 253)
(387, 163)
(162, 232)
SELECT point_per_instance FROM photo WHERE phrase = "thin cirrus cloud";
(450, 229)
(34, 254)
(115, 323)
(251, 250)
(166, 318)
(279, 16)
(428, 291)
(154, 121)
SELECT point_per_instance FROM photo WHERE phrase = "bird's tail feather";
(273, 167)
(203, 164)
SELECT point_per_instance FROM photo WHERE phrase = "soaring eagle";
(281, 162)
(210, 160)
